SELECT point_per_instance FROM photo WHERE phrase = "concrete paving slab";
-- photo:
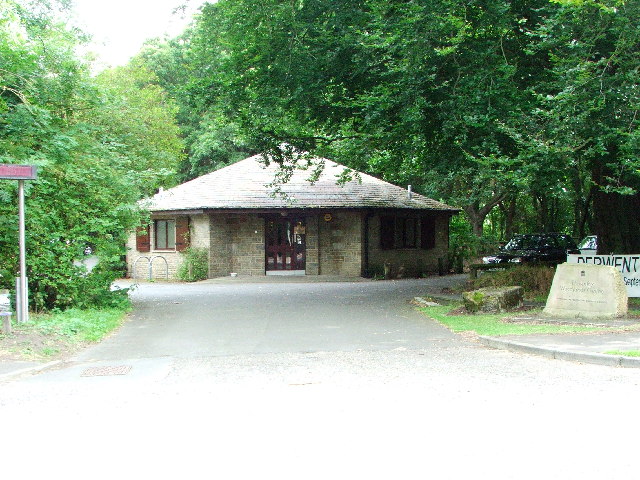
(584, 348)
(586, 343)
(10, 369)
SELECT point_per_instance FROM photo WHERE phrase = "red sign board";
(17, 172)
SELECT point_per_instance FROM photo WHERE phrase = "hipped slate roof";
(245, 185)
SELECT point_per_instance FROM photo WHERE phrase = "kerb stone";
(587, 291)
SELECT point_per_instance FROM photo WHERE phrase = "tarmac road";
(323, 380)
(232, 318)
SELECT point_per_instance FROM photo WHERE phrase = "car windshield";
(530, 242)
(589, 243)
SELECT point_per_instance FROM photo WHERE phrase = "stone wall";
(220, 241)
(312, 245)
(237, 244)
(199, 234)
(407, 262)
(340, 244)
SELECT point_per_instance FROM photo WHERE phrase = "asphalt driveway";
(315, 380)
(218, 318)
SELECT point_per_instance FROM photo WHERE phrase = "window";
(427, 233)
(387, 233)
(409, 230)
(165, 234)
(403, 232)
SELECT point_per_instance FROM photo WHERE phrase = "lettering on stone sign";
(581, 287)
(581, 301)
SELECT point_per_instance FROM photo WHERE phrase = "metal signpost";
(20, 173)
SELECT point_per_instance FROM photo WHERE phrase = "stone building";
(364, 227)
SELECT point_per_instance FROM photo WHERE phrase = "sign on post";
(20, 173)
(628, 265)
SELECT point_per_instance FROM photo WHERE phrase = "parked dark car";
(536, 247)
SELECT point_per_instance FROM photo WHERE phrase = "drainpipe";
(409, 193)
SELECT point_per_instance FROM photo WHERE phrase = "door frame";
(298, 246)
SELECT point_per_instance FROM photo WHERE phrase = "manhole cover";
(106, 371)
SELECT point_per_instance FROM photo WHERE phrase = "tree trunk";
(586, 210)
(478, 214)
(616, 219)
(510, 216)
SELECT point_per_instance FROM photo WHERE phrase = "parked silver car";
(588, 245)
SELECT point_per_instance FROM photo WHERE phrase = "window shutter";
(428, 233)
(183, 239)
(387, 233)
(143, 240)
(409, 232)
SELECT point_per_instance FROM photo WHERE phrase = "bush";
(536, 280)
(58, 285)
(464, 245)
(195, 265)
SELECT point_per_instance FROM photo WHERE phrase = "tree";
(184, 69)
(91, 157)
(588, 115)
(415, 92)
(137, 118)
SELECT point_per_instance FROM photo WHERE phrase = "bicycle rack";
(150, 264)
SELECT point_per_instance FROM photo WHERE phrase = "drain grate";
(106, 371)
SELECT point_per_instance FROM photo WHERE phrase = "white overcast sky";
(120, 27)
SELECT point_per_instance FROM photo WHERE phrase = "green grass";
(59, 334)
(79, 325)
(628, 353)
(493, 325)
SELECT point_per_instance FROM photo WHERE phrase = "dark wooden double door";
(285, 244)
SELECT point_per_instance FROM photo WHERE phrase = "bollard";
(5, 311)
(6, 323)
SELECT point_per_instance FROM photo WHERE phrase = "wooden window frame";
(399, 232)
(155, 236)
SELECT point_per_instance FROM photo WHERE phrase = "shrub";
(195, 265)
(536, 280)
(464, 245)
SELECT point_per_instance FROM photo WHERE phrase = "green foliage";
(99, 144)
(137, 118)
(185, 66)
(464, 246)
(527, 107)
(195, 265)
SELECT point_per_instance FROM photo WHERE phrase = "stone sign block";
(587, 291)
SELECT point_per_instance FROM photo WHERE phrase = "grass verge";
(54, 336)
(494, 325)
(627, 353)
